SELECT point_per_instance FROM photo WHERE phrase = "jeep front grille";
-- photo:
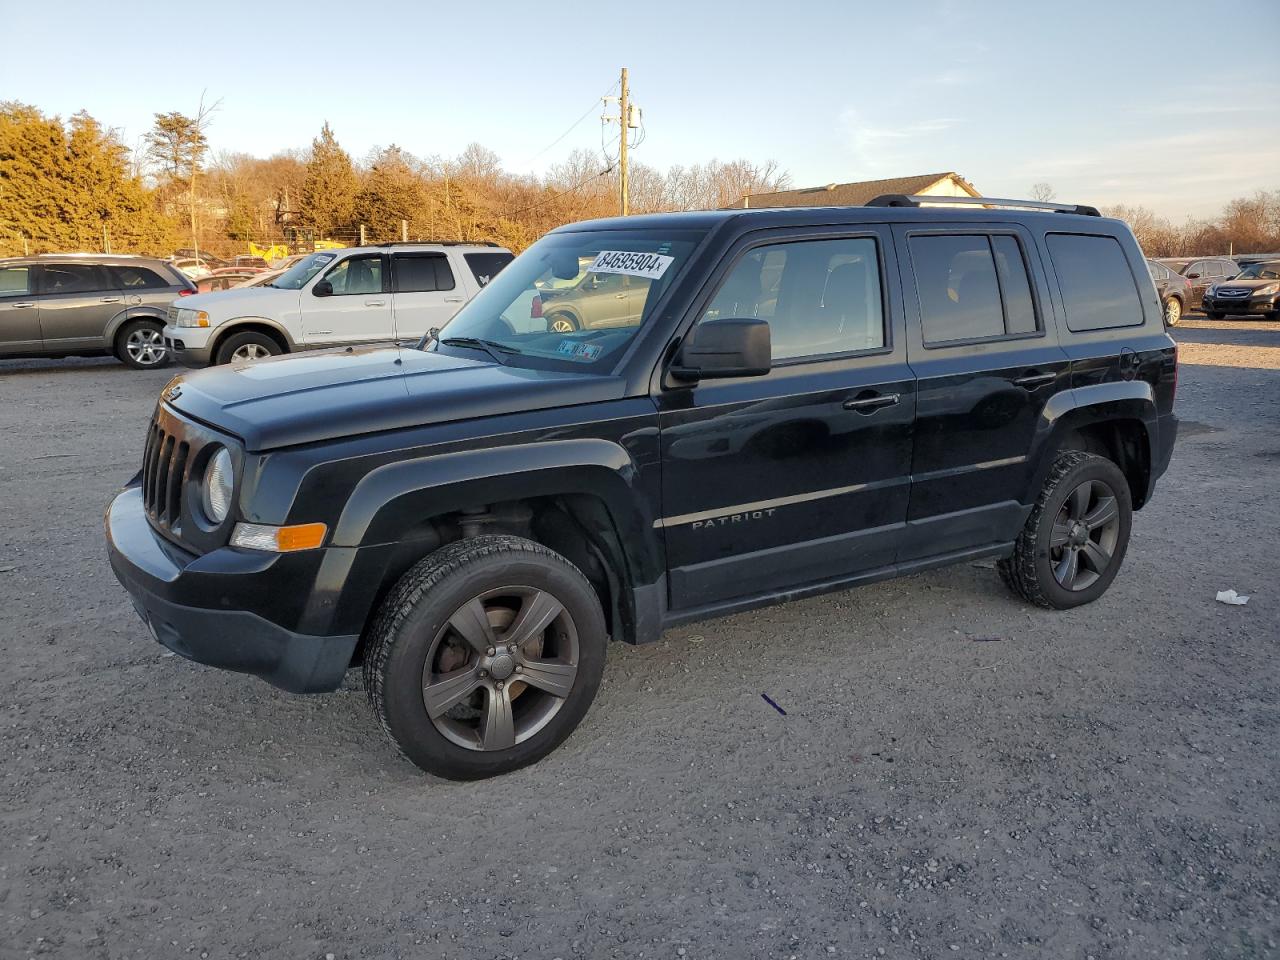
(164, 471)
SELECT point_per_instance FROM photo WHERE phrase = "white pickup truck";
(388, 292)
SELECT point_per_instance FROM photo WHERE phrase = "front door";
(800, 476)
(19, 314)
(77, 301)
(358, 310)
(425, 293)
(982, 343)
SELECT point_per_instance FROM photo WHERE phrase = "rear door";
(982, 342)
(77, 301)
(425, 292)
(359, 310)
(19, 312)
(800, 476)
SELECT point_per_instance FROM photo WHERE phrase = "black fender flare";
(395, 496)
(1084, 406)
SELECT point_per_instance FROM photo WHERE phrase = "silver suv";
(60, 305)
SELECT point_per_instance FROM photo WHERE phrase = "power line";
(590, 110)
(563, 193)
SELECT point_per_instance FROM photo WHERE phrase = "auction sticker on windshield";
(650, 265)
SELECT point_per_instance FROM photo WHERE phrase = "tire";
(140, 344)
(1040, 570)
(1215, 314)
(561, 323)
(446, 626)
(1172, 312)
(246, 347)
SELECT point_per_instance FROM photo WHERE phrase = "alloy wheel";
(561, 325)
(500, 668)
(145, 347)
(249, 351)
(1084, 535)
(1172, 311)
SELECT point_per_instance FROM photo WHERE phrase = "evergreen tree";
(392, 192)
(329, 190)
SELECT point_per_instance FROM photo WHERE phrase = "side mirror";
(322, 289)
(733, 347)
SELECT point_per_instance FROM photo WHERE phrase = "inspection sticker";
(651, 265)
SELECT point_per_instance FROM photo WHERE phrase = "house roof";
(850, 194)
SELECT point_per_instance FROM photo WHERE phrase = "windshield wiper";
(491, 347)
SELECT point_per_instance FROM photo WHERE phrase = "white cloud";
(882, 148)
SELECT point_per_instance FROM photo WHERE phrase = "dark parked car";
(1174, 291)
(1205, 272)
(75, 305)
(801, 401)
(1256, 289)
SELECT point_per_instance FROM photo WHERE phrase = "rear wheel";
(561, 323)
(1075, 539)
(140, 344)
(485, 657)
(246, 347)
(1172, 311)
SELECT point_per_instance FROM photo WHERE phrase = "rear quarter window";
(486, 266)
(138, 278)
(1099, 291)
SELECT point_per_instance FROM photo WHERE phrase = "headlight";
(1266, 291)
(192, 318)
(1210, 290)
(219, 482)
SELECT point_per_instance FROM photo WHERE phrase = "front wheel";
(485, 657)
(1172, 311)
(140, 344)
(246, 347)
(1075, 539)
(561, 323)
(1215, 314)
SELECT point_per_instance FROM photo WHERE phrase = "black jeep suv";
(800, 400)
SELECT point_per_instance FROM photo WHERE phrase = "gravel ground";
(956, 775)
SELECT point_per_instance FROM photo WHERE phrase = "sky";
(1109, 102)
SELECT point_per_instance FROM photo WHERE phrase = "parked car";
(1174, 291)
(193, 268)
(225, 278)
(804, 400)
(1205, 272)
(333, 298)
(1255, 290)
(208, 259)
(84, 304)
(246, 260)
(263, 279)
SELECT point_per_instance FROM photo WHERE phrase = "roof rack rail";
(438, 243)
(902, 200)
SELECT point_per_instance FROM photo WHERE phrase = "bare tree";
(1043, 192)
(177, 144)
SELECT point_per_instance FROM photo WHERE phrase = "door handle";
(452, 299)
(375, 303)
(619, 296)
(870, 404)
(1033, 380)
(23, 305)
(109, 300)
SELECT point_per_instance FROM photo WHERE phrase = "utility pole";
(623, 121)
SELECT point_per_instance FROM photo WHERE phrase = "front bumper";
(216, 609)
(190, 346)
(1241, 305)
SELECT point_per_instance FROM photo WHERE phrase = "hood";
(330, 394)
(1244, 284)
(219, 300)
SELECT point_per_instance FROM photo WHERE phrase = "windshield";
(1261, 271)
(572, 301)
(296, 277)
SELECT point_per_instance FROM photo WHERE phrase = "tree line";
(74, 185)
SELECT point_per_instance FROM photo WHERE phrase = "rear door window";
(1099, 291)
(15, 281)
(972, 287)
(422, 273)
(68, 278)
(486, 266)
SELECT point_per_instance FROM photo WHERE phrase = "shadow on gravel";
(1248, 334)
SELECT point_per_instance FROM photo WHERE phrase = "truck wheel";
(485, 656)
(243, 347)
(1075, 539)
(140, 344)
